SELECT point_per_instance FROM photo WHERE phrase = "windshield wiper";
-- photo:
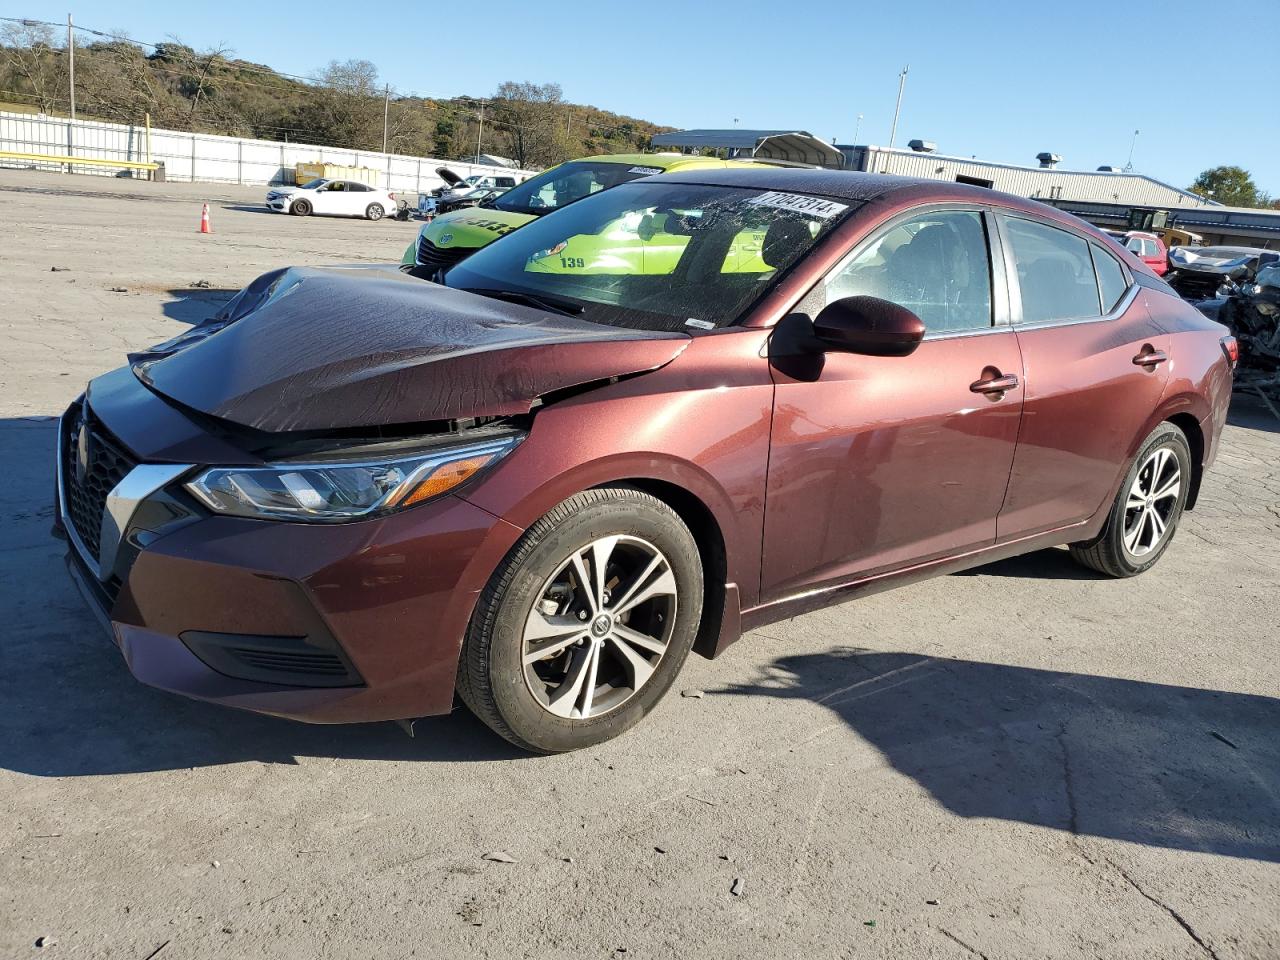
(569, 308)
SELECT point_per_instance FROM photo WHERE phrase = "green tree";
(1229, 185)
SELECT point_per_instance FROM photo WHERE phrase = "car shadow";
(1149, 763)
(1055, 563)
(248, 208)
(193, 305)
(71, 707)
(1252, 411)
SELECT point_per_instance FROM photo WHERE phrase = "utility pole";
(386, 110)
(1132, 143)
(480, 131)
(902, 82)
(71, 64)
(857, 128)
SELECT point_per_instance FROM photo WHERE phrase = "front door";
(1096, 367)
(878, 463)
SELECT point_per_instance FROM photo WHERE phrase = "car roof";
(839, 184)
(865, 187)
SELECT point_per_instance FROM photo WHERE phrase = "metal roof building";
(1233, 226)
(794, 146)
(1045, 182)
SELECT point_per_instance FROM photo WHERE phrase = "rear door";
(882, 462)
(1095, 367)
(358, 196)
(328, 199)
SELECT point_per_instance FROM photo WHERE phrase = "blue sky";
(1001, 80)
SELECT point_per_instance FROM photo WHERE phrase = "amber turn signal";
(445, 477)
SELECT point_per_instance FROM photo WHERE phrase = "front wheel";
(374, 211)
(1147, 509)
(301, 208)
(587, 622)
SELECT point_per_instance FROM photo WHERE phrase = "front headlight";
(335, 491)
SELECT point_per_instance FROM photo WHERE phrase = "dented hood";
(337, 348)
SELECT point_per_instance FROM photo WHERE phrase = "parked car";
(466, 199)
(1252, 313)
(335, 198)
(1148, 248)
(1199, 273)
(353, 493)
(448, 239)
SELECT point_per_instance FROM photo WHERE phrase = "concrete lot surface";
(1022, 762)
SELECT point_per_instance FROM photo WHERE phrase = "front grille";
(430, 255)
(86, 485)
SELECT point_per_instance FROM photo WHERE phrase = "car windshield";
(314, 184)
(655, 255)
(568, 182)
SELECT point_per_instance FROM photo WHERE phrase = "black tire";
(1109, 553)
(301, 208)
(491, 672)
(374, 211)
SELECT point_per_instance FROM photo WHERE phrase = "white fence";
(207, 158)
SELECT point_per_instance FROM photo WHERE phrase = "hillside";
(342, 105)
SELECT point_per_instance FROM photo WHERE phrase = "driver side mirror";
(870, 326)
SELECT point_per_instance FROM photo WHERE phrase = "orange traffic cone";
(204, 220)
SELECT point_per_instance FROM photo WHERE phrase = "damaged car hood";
(308, 349)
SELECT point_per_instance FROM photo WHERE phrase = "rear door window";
(936, 265)
(1056, 279)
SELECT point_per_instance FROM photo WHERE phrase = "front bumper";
(363, 620)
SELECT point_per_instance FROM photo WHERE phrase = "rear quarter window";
(1111, 278)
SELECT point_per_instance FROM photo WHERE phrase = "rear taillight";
(1231, 350)
(391, 195)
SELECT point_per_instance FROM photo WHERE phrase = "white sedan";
(335, 198)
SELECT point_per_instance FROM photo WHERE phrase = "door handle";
(1150, 358)
(995, 385)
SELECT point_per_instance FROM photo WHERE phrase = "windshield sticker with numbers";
(645, 171)
(810, 206)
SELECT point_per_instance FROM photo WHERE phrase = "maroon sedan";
(669, 413)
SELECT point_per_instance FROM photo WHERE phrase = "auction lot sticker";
(646, 170)
(812, 206)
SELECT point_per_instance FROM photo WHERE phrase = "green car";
(454, 236)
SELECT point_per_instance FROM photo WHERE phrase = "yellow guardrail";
(90, 161)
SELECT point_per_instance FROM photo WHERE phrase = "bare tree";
(347, 106)
(532, 115)
(37, 65)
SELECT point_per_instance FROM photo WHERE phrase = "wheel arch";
(702, 523)
(1194, 433)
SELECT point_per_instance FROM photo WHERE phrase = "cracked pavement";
(1021, 761)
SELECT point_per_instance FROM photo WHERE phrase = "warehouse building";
(1106, 197)
(1046, 181)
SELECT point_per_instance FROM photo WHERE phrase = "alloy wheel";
(1152, 501)
(599, 627)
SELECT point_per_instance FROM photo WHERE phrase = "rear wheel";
(301, 208)
(1147, 509)
(585, 625)
(374, 211)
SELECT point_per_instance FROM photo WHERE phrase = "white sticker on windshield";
(645, 171)
(810, 206)
(699, 324)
